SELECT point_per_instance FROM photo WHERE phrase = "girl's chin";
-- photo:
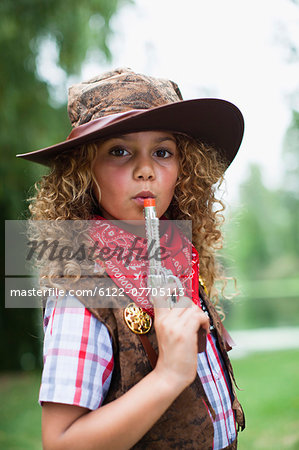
(128, 215)
(134, 226)
(124, 216)
(133, 219)
(128, 218)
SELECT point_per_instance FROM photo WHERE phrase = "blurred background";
(246, 52)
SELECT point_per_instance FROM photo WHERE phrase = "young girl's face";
(131, 167)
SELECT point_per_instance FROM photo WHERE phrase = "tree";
(263, 235)
(262, 248)
(291, 181)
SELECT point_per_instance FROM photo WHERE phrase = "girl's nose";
(144, 169)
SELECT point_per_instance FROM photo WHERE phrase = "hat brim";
(213, 121)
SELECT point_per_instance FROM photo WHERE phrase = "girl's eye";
(118, 151)
(163, 153)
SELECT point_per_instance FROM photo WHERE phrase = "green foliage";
(20, 419)
(291, 158)
(263, 234)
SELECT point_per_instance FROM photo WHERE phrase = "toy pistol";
(158, 275)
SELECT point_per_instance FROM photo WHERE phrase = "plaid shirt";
(78, 357)
(78, 365)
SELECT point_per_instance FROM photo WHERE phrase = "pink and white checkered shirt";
(78, 365)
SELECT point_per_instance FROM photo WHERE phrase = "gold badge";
(138, 321)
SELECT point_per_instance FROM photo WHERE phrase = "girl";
(111, 379)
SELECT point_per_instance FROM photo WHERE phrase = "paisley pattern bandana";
(125, 258)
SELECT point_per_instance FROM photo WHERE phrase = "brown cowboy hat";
(122, 101)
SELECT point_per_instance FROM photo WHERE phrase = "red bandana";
(126, 259)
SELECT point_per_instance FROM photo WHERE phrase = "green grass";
(20, 412)
(270, 398)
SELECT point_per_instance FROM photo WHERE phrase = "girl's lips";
(140, 200)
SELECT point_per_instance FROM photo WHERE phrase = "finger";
(196, 318)
(184, 303)
(204, 322)
(161, 296)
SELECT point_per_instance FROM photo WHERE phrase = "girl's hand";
(177, 334)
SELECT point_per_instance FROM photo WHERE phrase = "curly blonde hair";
(66, 193)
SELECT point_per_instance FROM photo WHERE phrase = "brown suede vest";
(186, 424)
